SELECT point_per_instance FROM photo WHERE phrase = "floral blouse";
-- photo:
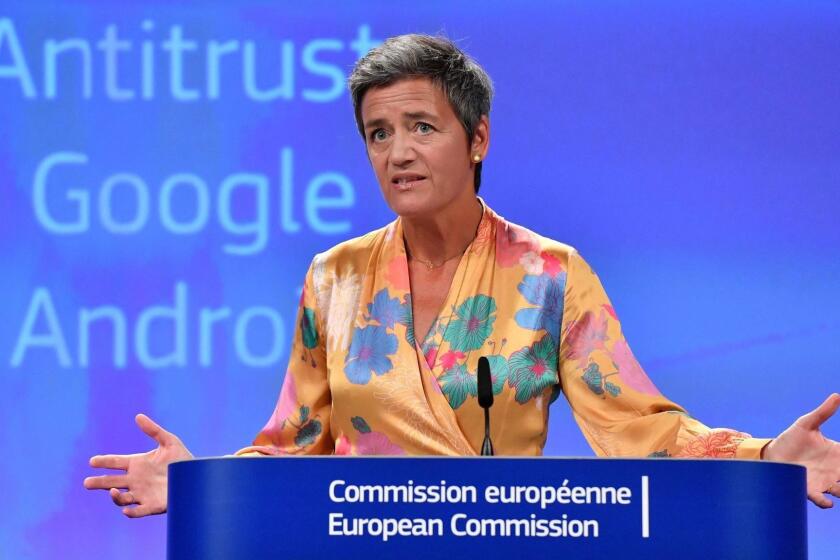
(360, 383)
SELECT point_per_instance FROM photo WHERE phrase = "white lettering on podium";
(645, 509)
(386, 528)
(550, 523)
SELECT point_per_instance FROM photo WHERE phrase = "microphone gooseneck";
(485, 401)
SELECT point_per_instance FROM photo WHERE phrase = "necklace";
(430, 265)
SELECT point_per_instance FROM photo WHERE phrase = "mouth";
(404, 182)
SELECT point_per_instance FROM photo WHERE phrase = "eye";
(379, 135)
(424, 128)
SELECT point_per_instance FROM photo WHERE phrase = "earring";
(476, 158)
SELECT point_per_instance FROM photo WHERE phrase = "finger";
(153, 429)
(139, 511)
(106, 482)
(820, 500)
(110, 461)
(122, 498)
(814, 419)
(834, 490)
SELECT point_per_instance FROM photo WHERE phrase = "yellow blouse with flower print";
(360, 383)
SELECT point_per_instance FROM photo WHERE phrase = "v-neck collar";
(484, 235)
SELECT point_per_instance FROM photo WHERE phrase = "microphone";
(485, 401)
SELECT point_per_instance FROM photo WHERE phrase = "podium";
(432, 507)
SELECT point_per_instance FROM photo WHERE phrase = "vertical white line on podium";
(645, 509)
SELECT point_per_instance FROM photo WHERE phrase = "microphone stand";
(487, 445)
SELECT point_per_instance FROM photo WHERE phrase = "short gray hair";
(465, 83)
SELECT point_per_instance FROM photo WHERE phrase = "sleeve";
(300, 422)
(618, 408)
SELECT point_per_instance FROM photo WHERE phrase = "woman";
(391, 324)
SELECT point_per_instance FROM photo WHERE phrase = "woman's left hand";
(803, 444)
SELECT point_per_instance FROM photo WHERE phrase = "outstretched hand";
(144, 483)
(803, 443)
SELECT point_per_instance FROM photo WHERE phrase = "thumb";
(153, 430)
(814, 419)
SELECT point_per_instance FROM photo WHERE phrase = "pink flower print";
(629, 370)
(369, 442)
(431, 355)
(342, 446)
(551, 264)
(287, 405)
(611, 311)
(586, 335)
(512, 242)
(717, 443)
(449, 359)
(396, 274)
(532, 263)
(376, 443)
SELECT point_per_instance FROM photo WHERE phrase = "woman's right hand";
(144, 483)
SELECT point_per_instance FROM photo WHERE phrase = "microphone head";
(485, 383)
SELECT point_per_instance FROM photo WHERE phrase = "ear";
(481, 138)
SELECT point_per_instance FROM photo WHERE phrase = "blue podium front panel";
(324, 507)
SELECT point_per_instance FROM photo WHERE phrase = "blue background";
(688, 150)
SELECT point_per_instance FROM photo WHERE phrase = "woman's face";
(418, 148)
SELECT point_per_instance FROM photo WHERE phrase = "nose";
(402, 150)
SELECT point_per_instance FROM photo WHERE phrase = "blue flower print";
(547, 293)
(369, 353)
(385, 310)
